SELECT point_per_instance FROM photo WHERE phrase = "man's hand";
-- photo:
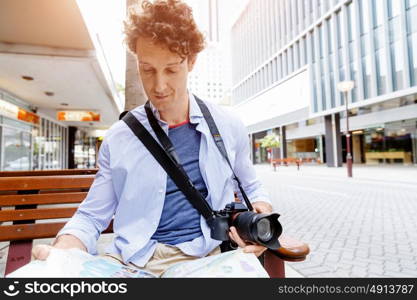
(65, 241)
(262, 207)
(258, 207)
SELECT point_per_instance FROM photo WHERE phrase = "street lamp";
(345, 87)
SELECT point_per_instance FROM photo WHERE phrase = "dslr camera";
(262, 229)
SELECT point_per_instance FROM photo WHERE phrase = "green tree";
(270, 141)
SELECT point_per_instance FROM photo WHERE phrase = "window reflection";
(17, 146)
(391, 143)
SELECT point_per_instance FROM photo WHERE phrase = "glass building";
(289, 55)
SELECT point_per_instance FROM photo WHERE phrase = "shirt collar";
(195, 113)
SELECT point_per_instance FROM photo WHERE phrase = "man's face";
(164, 74)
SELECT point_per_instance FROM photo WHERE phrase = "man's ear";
(191, 62)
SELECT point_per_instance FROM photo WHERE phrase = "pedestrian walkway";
(365, 226)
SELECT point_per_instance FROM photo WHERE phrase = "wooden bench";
(375, 157)
(25, 195)
(48, 172)
(286, 161)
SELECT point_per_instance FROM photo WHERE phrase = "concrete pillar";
(252, 148)
(71, 146)
(333, 141)
(283, 142)
(134, 92)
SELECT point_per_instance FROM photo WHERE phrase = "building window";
(380, 55)
(352, 48)
(365, 51)
(381, 68)
(412, 38)
(274, 70)
(395, 44)
(290, 60)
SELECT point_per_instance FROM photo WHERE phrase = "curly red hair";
(168, 23)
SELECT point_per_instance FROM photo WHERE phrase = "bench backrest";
(48, 172)
(23, 200)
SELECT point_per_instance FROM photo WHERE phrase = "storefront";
(307, 149)
(27, 140)
(16, 145)
(260, 154)
(85, 149)
(50, 146)
(389, 143)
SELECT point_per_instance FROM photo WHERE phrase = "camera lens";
(264, 229)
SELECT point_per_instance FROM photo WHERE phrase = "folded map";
(77, 263)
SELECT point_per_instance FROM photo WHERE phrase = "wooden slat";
(83, 190)
(37, 214)
(34, 231)
(48, 172)
(45, 182)
(29, 231)
(51, 198)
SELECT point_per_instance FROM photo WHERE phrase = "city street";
(365, 226)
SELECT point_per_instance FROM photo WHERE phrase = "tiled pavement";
(365, 226)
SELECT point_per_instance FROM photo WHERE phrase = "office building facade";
(289, 55)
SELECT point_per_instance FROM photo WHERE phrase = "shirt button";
(161, 191)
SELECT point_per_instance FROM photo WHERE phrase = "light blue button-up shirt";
(130, 185)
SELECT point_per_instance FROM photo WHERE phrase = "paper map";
(76, 263)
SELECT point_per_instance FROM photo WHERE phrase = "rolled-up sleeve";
(244, 169)
(96, 211)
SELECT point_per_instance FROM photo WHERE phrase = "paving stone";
(332, 258)
(311, 272)
(340, 273)
(398, 274)
(377, 269)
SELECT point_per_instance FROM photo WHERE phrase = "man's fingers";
(256, 249)
(236, 238)
(247, 248)
(253, 248)
(262, 207)
(41, 252)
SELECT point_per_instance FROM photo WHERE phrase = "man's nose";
(160, 84)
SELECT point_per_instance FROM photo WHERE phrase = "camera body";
(263, 229)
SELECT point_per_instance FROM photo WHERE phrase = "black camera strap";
(169, 148)
(162, 137)
(168, 159)
(220, 145)
(170, 166)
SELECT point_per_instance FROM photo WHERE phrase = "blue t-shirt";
(180, 221)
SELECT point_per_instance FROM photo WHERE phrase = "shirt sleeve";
(96, 211)
(244, 169)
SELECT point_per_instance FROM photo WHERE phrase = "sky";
(105, 18)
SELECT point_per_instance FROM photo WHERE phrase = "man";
(154, 224)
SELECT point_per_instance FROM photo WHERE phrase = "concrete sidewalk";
(387, 173)
(365, 226)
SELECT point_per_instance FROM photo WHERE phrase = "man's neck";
(177, 114)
